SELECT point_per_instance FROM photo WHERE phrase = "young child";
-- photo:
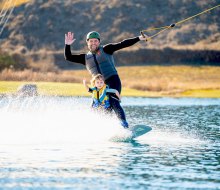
(100, 93)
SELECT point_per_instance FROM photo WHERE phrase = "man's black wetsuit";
(114, 80)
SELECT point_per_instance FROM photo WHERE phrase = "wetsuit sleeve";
(76, 58)
(90, 90)
(112, 47)
(110, 90)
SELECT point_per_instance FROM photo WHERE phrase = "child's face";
(99, 83)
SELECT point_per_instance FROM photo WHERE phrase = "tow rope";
(164, 28)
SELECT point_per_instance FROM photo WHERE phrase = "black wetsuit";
(114, 80)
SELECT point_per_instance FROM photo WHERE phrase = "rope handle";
(143, 35)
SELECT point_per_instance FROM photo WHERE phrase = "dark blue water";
(57, 143)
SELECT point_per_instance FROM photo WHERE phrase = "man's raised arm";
(77, 58)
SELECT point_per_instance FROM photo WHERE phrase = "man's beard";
(94, 50)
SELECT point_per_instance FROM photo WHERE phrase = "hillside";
(36, 29)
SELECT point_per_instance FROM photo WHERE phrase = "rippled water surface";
(57, 143)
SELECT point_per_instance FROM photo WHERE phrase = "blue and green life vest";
(100, 97)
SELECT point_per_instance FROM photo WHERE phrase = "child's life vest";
(101, 97)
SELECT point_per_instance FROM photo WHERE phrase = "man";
(99, 60)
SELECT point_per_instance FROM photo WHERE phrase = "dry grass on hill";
(29, 75)
(167, 79)
(170, 78)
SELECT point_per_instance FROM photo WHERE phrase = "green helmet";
(93, 34)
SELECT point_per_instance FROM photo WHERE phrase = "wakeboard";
(138, 130)
(131, 133)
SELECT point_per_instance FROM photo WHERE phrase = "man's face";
(99, 83)
(93, 44)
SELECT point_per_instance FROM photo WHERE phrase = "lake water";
(57, 143)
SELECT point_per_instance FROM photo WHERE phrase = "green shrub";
(6, 61)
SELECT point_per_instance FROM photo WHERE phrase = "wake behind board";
(131, 133)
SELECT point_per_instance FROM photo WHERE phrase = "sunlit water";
(57, 143)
